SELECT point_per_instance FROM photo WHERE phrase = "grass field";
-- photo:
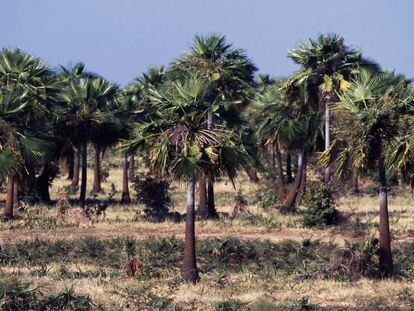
(262, 261)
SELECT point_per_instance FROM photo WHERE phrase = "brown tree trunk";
(252, 172)
(42, 184)
(304, 175)
(289, 177)
(76, 168)
(15, 194)
(202, 193)
(189, 271)
(272, 165)
(290, 200)
(386, 264)
(8, 211)
(131, 171)
(281, 183)
(327, 177)
(70, 166)
(125, 188)
(82, 197)
(211, 206)
(64, 165)
(97, 171)
(355, 186)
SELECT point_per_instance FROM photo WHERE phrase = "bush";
(229, 305)
(268, 198)
(153, 193)
(18, 295)
(320, 211)
(355, 260)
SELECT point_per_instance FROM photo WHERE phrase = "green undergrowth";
(161, 257)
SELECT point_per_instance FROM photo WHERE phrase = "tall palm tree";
(375, 105)
(327, 67)
(28, 89)
(180, 145)
(135, 107)
(230, 73)
(86, 109)
(285, 122)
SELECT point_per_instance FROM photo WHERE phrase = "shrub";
(229, 305)
(320, 211)
(355, 260)
(153, 193)
(268, 198)
(18, 295)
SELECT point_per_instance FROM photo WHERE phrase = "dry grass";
(361, 214)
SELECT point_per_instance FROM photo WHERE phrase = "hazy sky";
(121, 38)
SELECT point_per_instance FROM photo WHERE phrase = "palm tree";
(327, 67)
(180, 145)
(375, 105)
(230, 73)
(87, 103)
(28, 89)
(285, 122)
(135, 107)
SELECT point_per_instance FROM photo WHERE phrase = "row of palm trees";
(206, 116)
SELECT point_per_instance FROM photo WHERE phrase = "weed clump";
(153, 193)
(320, 208)
(16, 294)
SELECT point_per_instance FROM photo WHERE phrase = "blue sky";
(119, 39)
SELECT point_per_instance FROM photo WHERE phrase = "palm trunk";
(202, 192)
(8, 211)
(355, 186)
(97, 171)
(70, 166)
(64, 165)
(125, 188)
(189, 271)
(289, 178)
(43, 184)
(272, 165)
(304, 175)
(281, 184)
(131, 172)
(327, 177)
(386, 264)
(15, 194)
(76, 167)
(290, 200)
(211, 206)
(252, 172)
(82, 197)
